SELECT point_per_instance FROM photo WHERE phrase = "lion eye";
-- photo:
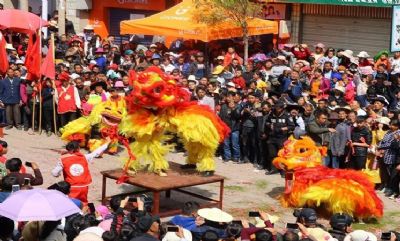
(302, 150)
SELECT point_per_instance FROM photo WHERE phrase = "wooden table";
(176, 179)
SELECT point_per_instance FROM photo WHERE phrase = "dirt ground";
(245, 189)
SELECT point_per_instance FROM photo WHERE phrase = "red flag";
(33, 55)
(48, 67)
(3, 55)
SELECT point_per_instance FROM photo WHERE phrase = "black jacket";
(339, 235)
(274, 125)
(231, 117)
(360, 135)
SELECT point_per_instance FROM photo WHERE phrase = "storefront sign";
(395, 34)
(371, 3)
(274, 11)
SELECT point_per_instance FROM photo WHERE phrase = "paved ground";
(245, 189)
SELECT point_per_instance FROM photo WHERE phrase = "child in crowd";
(3, 159)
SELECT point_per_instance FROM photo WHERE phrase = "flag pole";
(34, 95)
(54, 86)
(40, 80)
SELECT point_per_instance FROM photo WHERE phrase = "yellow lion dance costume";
(156, 107)
(310, 184)
(106, 116)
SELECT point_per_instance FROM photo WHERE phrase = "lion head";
(154, 89)
(298, 153)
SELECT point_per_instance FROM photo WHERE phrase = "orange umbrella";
(178, 22)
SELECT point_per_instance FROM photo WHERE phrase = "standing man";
(11, 97)
(75, 168)
(230, 114)
(68, 101)
(319, 131)
(278, 128)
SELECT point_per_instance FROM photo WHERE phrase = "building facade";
(359, 25)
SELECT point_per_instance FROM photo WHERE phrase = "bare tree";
(238, 11)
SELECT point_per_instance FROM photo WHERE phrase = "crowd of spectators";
(345, 102)
(131, 219)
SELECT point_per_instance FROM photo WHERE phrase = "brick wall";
(78, 17)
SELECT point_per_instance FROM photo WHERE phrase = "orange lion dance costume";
(156, 107)
(308, 183)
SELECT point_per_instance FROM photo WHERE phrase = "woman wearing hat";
(388, 149)
(329, 57)
(379, 128)
(382, 58)
(101, 61)
(319, 52)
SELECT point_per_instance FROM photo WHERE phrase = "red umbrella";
(20, 21)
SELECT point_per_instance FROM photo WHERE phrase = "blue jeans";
(331, 160)
(232, 146)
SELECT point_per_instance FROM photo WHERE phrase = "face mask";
(122, 94)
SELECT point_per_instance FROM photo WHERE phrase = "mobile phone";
(132, 199)
(386, 236)
(28, 164)
(237, 222)
(15, 188)
(254, 214)
(27, 181)
(92, 209)
(172, 229)
(292, 226)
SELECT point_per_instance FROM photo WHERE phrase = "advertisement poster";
(395, 34)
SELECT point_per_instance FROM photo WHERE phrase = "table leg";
(168, 194)
(156, 203)
(103, 191)
(221, 193)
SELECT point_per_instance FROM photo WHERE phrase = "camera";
(147, 201)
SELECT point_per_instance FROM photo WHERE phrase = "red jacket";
(229, 57)
(76, 169)
(239, 82)
(66, 100)
(301, 55)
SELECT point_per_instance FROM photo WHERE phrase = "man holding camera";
(341, 225)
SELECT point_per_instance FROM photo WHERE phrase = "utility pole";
(23, 5)
(45, 7)
(61, 17)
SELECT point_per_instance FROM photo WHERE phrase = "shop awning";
(178, 22)
(370, 3)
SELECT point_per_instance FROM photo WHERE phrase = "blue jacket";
(295, 90)
(101, 62)
(10, 92)
(188, 223)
